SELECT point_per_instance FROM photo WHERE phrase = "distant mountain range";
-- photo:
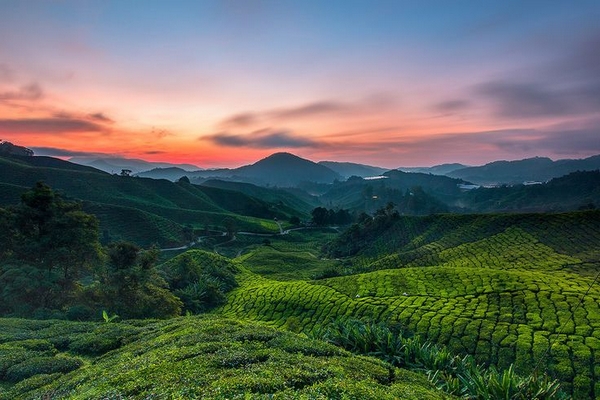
(288, 170)
(114, 165)
(442, 169)
(539, 169)
(279, 169)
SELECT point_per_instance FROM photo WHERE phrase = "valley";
(251, 277)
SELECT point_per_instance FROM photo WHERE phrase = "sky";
(226, 83)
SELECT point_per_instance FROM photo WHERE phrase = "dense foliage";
(49, 243)
(200, 279)
(460, 376)
(186, 358)
(503, 288)
(52, 265)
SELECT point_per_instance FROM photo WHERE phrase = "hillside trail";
(282, 232)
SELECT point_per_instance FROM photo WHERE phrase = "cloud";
(32, 91)
(312, 109)
(368, 105)
(451, 106)
(161, 133)
(262, 139)
(525, 99)
(560, 139)
(48, 125)
(240, 120)
(152, 152)
(100, 117)
(567, 86)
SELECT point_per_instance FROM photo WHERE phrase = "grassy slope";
(192, 357)
(160, 207)
(287, 202)
(500, 287)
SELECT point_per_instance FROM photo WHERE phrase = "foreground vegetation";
(53, 266)
(186, 358)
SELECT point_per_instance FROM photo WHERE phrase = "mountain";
(170, 173)
(114, 165)
(284, 169)
(576, 191)
(413, 193)
(348, 169)
(531, 169)
(442, 169)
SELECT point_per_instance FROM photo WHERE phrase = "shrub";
(456, 375)
(42, 365)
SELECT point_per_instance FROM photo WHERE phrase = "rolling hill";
(161, 208)
(577, 190)
(504, 288)
(348, 169)
(116, 164)
(186, 358)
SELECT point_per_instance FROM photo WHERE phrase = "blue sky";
(393, 83)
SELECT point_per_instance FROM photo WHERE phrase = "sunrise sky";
(225, 83)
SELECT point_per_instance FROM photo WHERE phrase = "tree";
(320, 216)
(132, 286)
(7, 148)
(230, 226)
(48, 244)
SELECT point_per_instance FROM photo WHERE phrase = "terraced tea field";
(516, 289)
(188, 358)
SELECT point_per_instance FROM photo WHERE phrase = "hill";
(577, 190)
(531, 169)
(348, 169)
(171, 173)
(504, 288)
(188, 357)
(413, 193)
(116, 164)
(285, 169)
(442, 169)
(282, 198)
(161, 208)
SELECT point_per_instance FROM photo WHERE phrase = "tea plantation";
(188, 358)
(504, 288)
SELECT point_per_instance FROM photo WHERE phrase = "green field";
(188, 358)
(508, 292)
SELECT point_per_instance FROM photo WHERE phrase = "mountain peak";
(286, 169)
(282, 156)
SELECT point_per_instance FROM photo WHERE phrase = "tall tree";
(48, 243)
